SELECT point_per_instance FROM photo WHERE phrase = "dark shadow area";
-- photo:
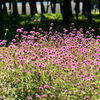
(96, 16)
(27, 22)
(12, 23)
(2, 31)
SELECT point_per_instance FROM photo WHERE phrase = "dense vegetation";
(43, 61)
(50, 65)
(27, 22)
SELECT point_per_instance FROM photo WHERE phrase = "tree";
(61, 6)
(77, 9)
(53, 6)
(15, 9)
(99, 5)
(33, 8)
(84, 7)
(47, 6)
(70, 9)
(89, 10)
(67, 12)
(4, 7)
(24, 6)
(42, 8)
(10, 7)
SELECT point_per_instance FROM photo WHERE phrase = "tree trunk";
(84, 7)
(47, 6)
(60, 6)
(99, 5)
(9, 7)
(89, 10)
(65, 13)
(15, 9)
(35, 8)
(53, 6)
(24, 6)
(70, 9)
(4, 7)
(42, 8)
(31, 7)
(77, 9)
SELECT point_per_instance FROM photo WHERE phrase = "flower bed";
(42, 65)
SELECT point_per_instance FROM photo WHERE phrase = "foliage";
(27, 22)
(50, 65)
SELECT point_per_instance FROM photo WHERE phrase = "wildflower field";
(42, 65)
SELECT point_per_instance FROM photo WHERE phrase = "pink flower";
(82, 91)
(72, 24)
(52, 24)
(34, 28)
(17, 80)
(46, 86)
(10, 83)
(77, 84)
(44, 95)
(93, 83)
(87, 97)
(74, 29)
(99, 87)
(30, 98)
(87, 32)
(37, 96)
(50, 28)
(38, 20)
(32, 32)
(50, 32)
(34, 20)
(92, 30)
(19, 30)
(89, 27)
(65, 30)
(37, 33)
(25, 32)
(82, 76)
(90, 89)
(40, 28)
(39, 73)
(16, 35)
(6, 67)
(22, 28)
(28, 90)
(4, 77)
(14, 40)
(96, 93)
(71, 27)
(52, 17)
(40, 88)
(52, 96)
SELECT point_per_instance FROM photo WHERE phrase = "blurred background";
(22, 13)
